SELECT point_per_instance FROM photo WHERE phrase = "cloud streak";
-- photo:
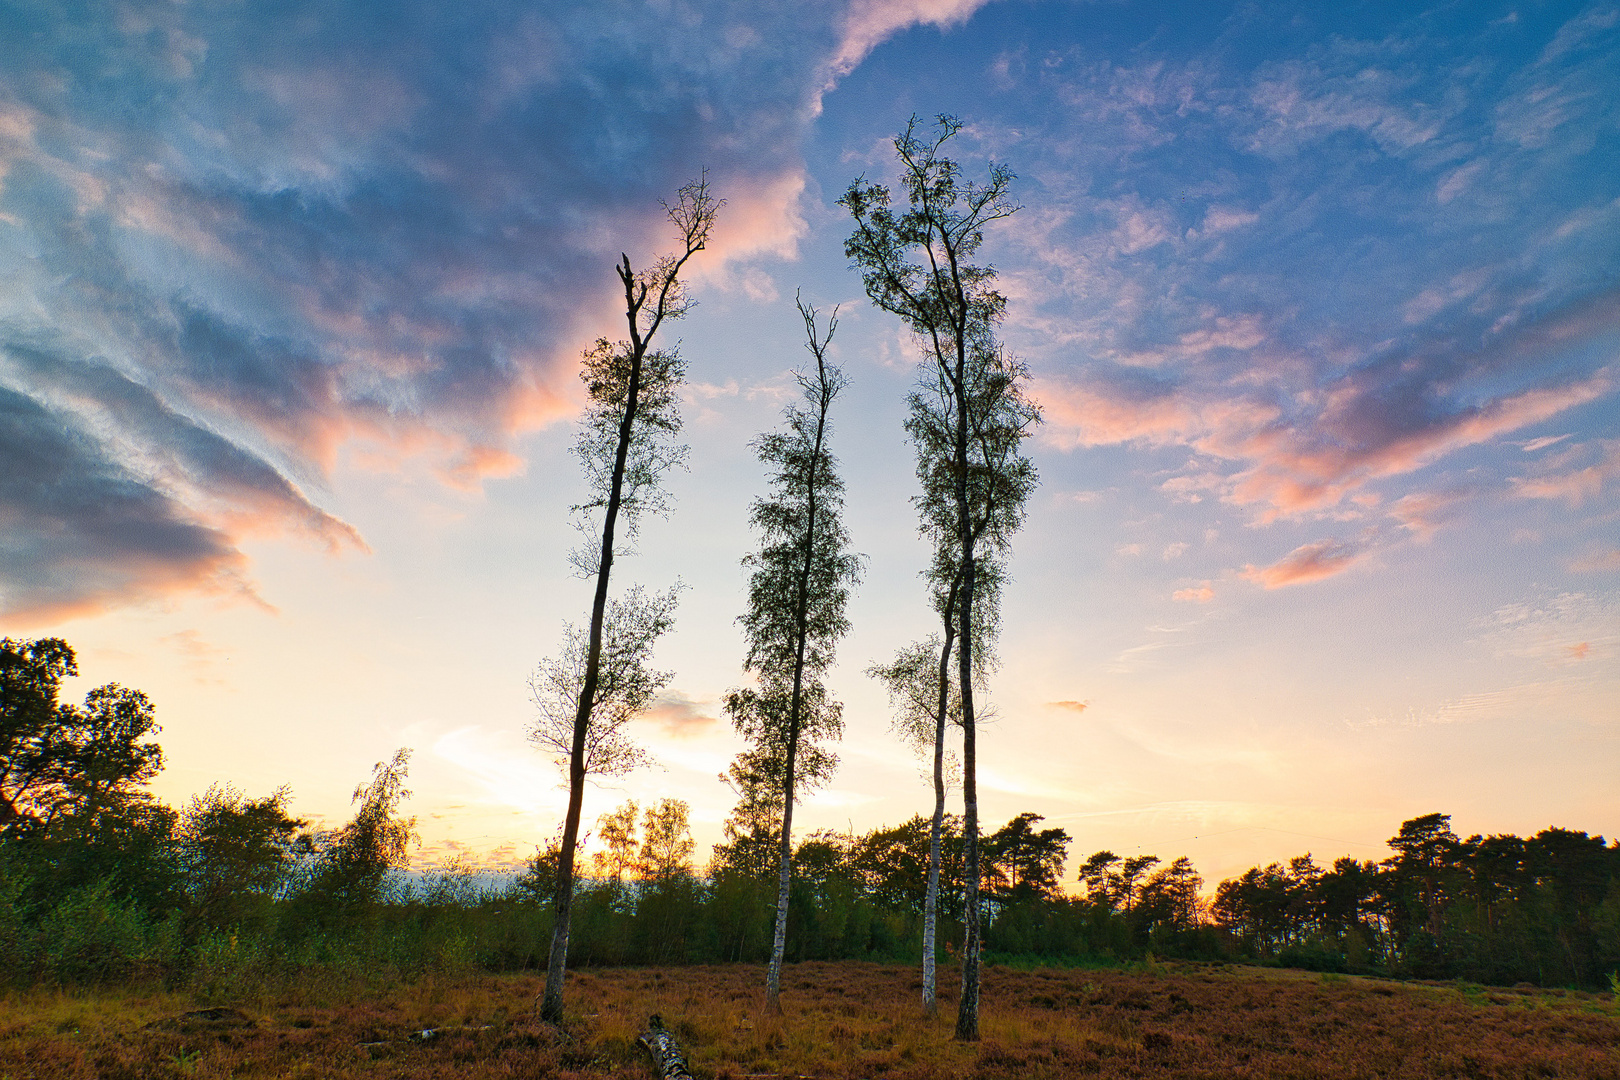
(1307, 563)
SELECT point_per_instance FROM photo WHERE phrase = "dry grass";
(841, 1020)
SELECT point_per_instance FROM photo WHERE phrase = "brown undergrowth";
(839, 1020)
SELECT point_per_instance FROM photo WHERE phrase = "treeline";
(100, 880)
(1491, 909)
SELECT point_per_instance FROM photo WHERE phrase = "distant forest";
(99, 880)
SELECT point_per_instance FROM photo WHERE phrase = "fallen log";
(666, 1053)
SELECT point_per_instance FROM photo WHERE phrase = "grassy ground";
(841, 1020)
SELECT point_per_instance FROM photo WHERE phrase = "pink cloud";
(679, 717)
(1598, 562)
(1573, 486)
(1423, 512)
(1309, 562)
(1315, 468)
(1081, 415)
(1201, 594)
(479, 463)
(871, 22)
(1313, 463)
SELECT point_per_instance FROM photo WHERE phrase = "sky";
(1321, 305)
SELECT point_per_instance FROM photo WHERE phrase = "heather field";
(841, 1020)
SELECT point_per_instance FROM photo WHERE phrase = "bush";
(16, 936)
(94, 936)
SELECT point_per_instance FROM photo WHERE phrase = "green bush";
(16, 935)
(92, 935)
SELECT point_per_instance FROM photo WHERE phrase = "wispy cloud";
(867, 23)
(1275, 318)
(1306, 563)
(679, 717)
(1564, 477)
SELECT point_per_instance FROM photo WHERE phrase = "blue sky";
(1322, 309)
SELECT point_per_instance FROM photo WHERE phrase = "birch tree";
(926, 705)
(797, 593)
(626, 443)
(968, 415)
(925, 700)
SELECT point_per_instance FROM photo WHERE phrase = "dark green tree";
(742, 874)
(625, 445)
(32, 764)
(89, 820)
(968, 416)
(1168, 901)
(667, 896)
(1101, 880)
(1423, 875)
(798, 591)
(237, 853)
(1025, 863)
(104, 747)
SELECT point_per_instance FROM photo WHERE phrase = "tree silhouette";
(1025, 862)
(32, 754)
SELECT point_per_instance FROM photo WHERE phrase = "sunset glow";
(1321, 306)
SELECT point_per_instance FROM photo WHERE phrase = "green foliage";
(798, 592)
(91, 935)
(967, 418)
(227, 966)
(625, 683)
(350, 868)
(1498, 909)
(231, 899)
(625, 443)
(798, 586)
(16, 929)
(33, 758)
(236, 854)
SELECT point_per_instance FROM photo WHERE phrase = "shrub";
(93, 936)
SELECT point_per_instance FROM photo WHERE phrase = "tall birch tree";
(626, 443)
(968, 415)
(927, 704)
(797, 594)
(925, 701)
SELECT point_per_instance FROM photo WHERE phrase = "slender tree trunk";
(557, 960)
(967, 1016)
(773, 977)
(931, 899)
